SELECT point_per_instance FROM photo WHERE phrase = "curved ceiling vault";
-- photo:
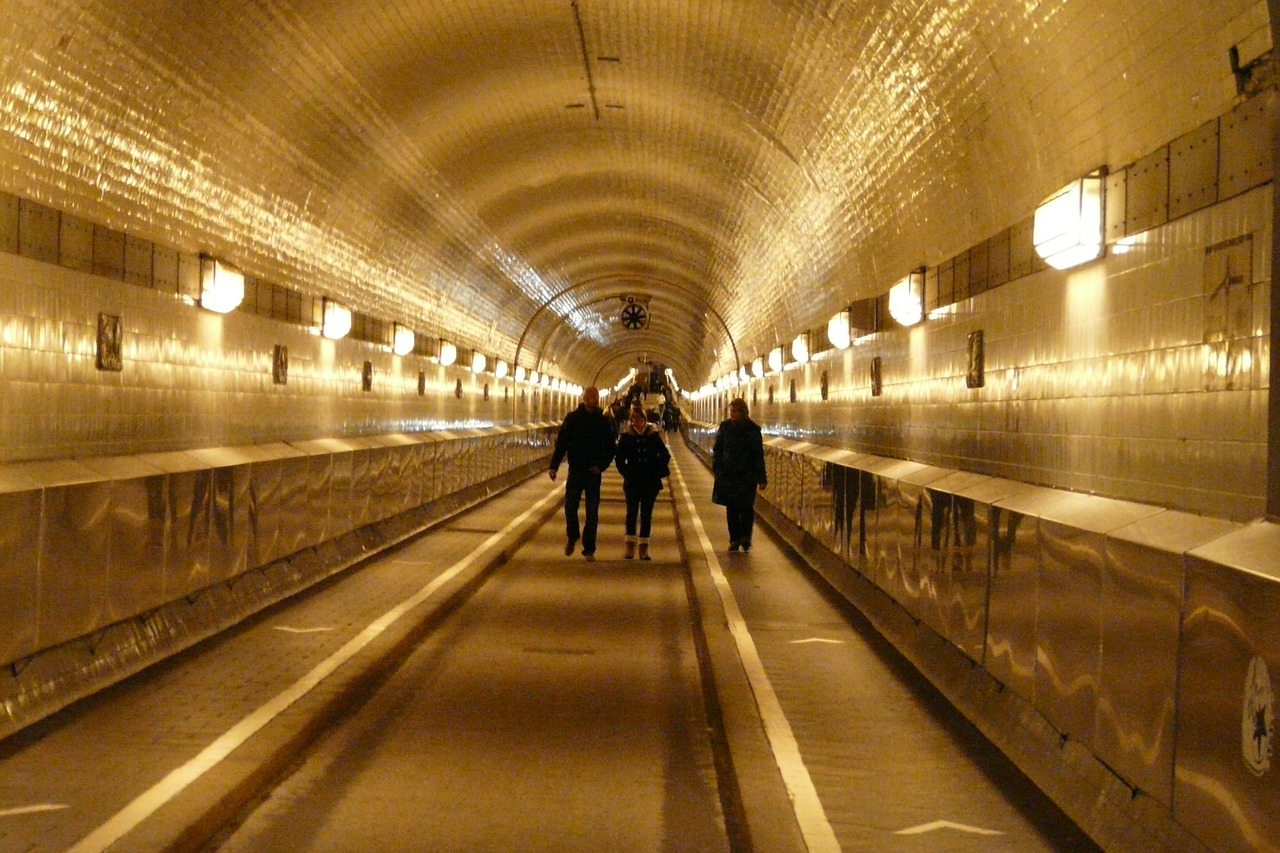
(506, 170)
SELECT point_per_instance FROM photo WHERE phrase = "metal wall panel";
(957, 570)
(231, 523)
(138, 557)
(20, 505)
(1193, 170)
(266, 511)
(297, 529)
(74, 568)
(1245, 148)
(966, 603)
(1142, 584)
(921, 577)
(359, 499)
(1148, 192)
(1015, 568)
(1069, 607)
(1226, 770)
(190, 538)
(896, 522)
(8, 223)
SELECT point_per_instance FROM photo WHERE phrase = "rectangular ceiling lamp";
(337, 320)
(403, 339)
(838, 330)
(221, 285)
(906, 299)
(1068, 225)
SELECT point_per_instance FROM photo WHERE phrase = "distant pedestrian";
(644, 461)
(737, 461)
(586, 436)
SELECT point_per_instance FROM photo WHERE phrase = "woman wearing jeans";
(643, 460)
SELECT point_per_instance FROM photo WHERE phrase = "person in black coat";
(586, 436)
(737, 461)
(643, 460)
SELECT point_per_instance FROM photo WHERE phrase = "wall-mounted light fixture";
(1068, 225)
(906, 299)
(448, 353)
(533, 377)
(402, 339)
(221, 285)
(800, 348)
(521, 373)
(757, 367)
(501, 369)
(478, 362)
(838, 330)
(743, 375)
(336, 322)
(775, 359)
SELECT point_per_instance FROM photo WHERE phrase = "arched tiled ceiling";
(756, 164)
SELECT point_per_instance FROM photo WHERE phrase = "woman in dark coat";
(737, 461)
(643, 460)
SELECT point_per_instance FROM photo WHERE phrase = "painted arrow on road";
(946, 824)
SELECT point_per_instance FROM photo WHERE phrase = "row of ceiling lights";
(222, 291)
(1067, 231)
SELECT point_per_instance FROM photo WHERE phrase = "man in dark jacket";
(737, 461)
(587, 438)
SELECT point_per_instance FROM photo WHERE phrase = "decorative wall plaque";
(110, 345)
(975, 374)
(280, 365)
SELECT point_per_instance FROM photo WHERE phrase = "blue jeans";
(575, 486)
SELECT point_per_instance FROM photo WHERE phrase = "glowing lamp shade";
(221, 286)
(501, 369)
(1067, 230)
(838, 331)
(906, 300)
(743, 374)
(757, 367)
(337, 320)
(533, 377)
(448, 353)
(800, 349)
(775, 359)
(478, 362)
(402, 339)
(521, 373)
